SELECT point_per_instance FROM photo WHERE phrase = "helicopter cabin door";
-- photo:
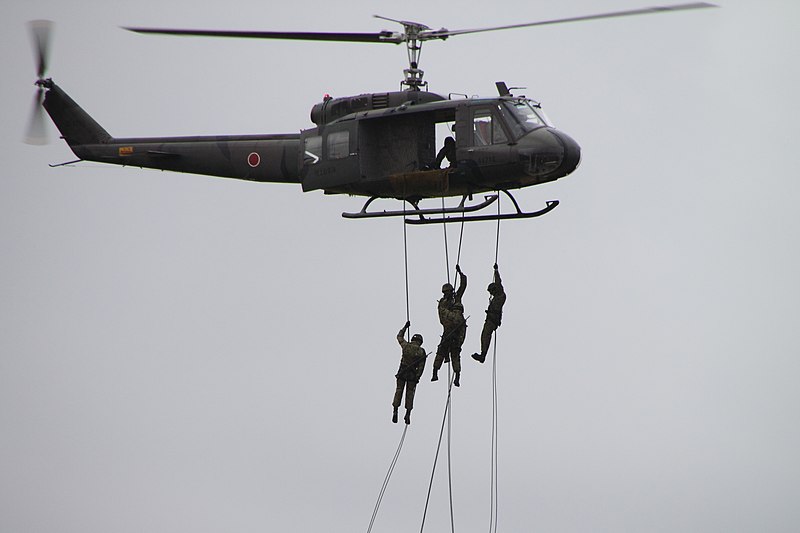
(485, 140)
(329, 158)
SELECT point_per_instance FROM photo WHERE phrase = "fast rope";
(448, 406)
(405, 257)
(445, 418)
(493, 483)
(405, 427)
(386, 479)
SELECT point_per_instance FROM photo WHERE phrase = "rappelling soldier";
(494, 313)
(454, 327)
(412, 364)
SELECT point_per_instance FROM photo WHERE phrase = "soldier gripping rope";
(494, 314)
(451, 316)
(412, 364)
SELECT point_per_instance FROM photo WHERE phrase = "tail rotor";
(40, 34)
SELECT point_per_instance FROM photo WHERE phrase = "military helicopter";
(378, 145)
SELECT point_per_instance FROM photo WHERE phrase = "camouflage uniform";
(494, 315)
(451, 316)
(412, 364)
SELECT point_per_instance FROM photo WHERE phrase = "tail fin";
(75, 124)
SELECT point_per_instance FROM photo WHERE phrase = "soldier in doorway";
(494, 314)
(448, 152)
(412, 364)
(451, 316)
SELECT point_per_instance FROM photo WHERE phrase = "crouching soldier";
(412, 364)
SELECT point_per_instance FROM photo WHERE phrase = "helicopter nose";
(572, 152)
(550, 154)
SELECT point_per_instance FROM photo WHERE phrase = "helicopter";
(375, 145)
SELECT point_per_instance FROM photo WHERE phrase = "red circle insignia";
(253, 159)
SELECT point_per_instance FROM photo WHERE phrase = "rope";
(493, 490)
(446, 255)
(497, 236)
(386, 479)
(449, 461)
(405, 257)
(493, 482)
(460, 238)
(438, 447)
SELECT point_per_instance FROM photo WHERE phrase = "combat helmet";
(417, 338)
(447, 288)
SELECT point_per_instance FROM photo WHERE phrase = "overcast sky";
(182, 353)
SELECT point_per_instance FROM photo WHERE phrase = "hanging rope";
(497, 236)
(436, 456)
(493, 490)
(449, 461)
(405, 258)
(446, 254)
(386, 479)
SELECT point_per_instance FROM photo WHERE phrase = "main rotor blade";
(444, 34)
(380, 37)
(40, 32)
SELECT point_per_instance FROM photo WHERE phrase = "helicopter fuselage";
(381, 144)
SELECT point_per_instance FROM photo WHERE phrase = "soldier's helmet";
(417, 338)
(447, 288)
(492, 287)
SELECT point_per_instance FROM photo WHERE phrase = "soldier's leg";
(398, 393)
(455, 356)
(486, 336)
(411, 388)
(437, 362)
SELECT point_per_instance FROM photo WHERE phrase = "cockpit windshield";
(524, 116)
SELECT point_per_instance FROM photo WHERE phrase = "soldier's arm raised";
(402, 333)
(462, 284)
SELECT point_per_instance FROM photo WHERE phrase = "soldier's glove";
(458, 269)
(408, 324)
(495, 266)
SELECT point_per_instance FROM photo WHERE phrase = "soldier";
(493, 314)
(412, 363)
(451, 316)
(448, 152)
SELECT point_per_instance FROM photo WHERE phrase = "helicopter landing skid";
(551, 204)
(416, 211)
(458, 212)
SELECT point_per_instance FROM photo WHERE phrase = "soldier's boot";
(455, 380)
(407, 418)
(435, 375)
(479, 357)
(394, 415)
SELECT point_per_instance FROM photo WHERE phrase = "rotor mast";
(414, 35)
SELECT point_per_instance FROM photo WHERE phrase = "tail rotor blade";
(40, 33)
(37, 130)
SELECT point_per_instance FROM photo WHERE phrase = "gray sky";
(185, 353)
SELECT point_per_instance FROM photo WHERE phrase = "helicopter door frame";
(329, 156)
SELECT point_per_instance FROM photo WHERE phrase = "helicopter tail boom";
(265, 158)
